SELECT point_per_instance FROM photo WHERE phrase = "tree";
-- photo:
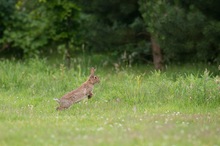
(25, 29)
(113, 26)
(185, 30)
(148, 10)
(32, 26)
(6, 11)
(64, 23)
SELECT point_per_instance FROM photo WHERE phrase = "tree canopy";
(183, 30)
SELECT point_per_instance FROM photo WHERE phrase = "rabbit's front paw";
(90, 95)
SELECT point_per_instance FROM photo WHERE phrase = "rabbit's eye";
(95, 77)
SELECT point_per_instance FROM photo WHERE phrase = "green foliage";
(185, 30)
(128, 105)
(34, 24)
(6, 10)
(182, 29)
(24, 31)
(113, 26)
(26, 34)
(63, 16)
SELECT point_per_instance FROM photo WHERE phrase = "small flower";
(100, 129)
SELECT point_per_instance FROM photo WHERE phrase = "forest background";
(135, 31)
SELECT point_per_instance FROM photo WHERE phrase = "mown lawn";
(131, 106)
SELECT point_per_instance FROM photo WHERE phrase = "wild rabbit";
(84, 91)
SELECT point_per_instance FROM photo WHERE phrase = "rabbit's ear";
(92, 71)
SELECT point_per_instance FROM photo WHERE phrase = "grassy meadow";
(131, 105)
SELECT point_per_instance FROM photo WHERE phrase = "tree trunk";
(157, 55)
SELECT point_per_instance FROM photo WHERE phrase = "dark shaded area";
(183, 30)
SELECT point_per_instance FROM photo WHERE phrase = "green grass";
(131, 105)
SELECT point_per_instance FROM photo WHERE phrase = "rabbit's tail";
(57, 100)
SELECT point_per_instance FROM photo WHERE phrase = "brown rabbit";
(85, 90)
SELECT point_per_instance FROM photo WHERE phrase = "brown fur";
(84, 91)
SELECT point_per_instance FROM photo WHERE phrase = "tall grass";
(131, 105)
(36, 78)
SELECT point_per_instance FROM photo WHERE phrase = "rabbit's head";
(93, 79)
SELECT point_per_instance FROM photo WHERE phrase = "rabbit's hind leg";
(60, 108)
